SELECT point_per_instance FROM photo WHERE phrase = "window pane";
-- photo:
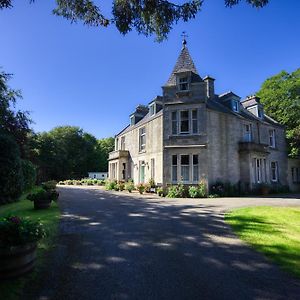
(195, 173)
(174, 160)
(174, 127)
(184, 126)
(183, 79)
(185, 173)
(174, 173)
(184, 115)
(174, 115)
(195, 126)
(195, 159)
(185, 160)
(194, 113)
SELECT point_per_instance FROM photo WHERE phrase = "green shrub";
(141, 188)
(193, 192)
(152, 183)
(42, 194)
(29, 174)
(110, 185)
(160, 192)
(69, 182)
(49, 185)
(11, 183)
(213, 196)
(61, 183)
(202, 189)
(121, 186)
(177, 191)
(90, 182)
(129, 186)
(77, 182)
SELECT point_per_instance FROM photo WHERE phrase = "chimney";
(210, 86)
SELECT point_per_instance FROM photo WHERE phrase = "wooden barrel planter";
(42, 204)
(17, 260)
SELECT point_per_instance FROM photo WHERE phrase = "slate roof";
(184, 64)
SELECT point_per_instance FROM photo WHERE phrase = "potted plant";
(141, 188)
(129, 186)
(43, 198)
(18, 240)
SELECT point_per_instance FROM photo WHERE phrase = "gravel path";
(118, 246)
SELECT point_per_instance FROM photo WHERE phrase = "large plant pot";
(17, 260)
(42, 204)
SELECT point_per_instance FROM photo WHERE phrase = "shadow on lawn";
(113, 246)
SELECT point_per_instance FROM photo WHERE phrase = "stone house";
(190, 134)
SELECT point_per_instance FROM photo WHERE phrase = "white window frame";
(142, 135)
(272, 138)
(274, 168)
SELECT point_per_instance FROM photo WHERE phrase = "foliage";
(147, 16)
(129, 186)
(43, 195)
(49, 185)
(152, 183)
(11, 183)
(202, 189)
(280, 95)
(11, 290)
(67, 152)
(193, 192)
(274, 231)
(160, 192)
(141, 188)
(121, 186)
(15, 231)
(29, 174)
(14, 123)
(110, 185)
(177, 191)
(225, 189)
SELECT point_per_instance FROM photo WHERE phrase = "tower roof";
(184, 64)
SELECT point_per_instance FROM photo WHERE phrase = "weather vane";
(184, 35)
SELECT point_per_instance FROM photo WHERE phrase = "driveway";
(120, 246)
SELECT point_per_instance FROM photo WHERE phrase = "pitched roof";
(184, 63)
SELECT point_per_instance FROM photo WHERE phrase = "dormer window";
(152, 109)
(235, 106)
(183, 84)
(132, 120)
(260, 113)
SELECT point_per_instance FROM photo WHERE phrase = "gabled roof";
(184, 64)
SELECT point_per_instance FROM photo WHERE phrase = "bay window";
(174, 168)
(184, 122)
(185, 168)
(274, 171)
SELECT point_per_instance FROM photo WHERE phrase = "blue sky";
(70, 74)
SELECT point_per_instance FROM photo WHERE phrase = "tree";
(12, 122)
(67, 152)
(146, 16)
(280, 95)
(104, 147)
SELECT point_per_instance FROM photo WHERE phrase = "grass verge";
(12, 289)
(273, 231)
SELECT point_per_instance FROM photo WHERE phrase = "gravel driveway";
(117, 246)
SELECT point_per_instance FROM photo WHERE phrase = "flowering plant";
(16, 231)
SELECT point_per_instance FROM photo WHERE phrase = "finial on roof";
(184, 35)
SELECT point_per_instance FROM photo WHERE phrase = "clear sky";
(70, 74)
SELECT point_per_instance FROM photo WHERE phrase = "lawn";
(11, 289)
(274, 231)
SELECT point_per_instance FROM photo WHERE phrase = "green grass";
(11, 289)
(273, 231)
